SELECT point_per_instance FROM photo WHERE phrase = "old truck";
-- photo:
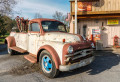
(48, 43)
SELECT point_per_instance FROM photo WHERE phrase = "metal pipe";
(76, 8)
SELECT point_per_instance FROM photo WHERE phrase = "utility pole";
(76, 8)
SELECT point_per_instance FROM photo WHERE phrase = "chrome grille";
(78, 54)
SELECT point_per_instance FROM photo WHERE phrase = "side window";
(61, 28)
(35, 27)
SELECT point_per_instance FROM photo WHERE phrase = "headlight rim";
(70, 50)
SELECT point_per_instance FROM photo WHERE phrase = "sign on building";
(84, 6)
(96, 31)
(112, 22)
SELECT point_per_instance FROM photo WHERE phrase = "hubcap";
(46, 64)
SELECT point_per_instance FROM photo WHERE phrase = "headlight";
(70, 49)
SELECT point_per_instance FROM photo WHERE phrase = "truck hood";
(59, 36)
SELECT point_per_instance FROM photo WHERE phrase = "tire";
(11, 52)
(47, 65)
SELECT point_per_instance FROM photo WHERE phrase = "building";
(97, 16)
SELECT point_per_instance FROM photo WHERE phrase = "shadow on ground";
(3, 49)
(104, 60)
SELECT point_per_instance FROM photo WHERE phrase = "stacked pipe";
(22, 24)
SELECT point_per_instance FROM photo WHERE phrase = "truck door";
(22, 41)
(34, 36)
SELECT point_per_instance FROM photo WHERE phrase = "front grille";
(79, 59)
(79, 55)
(81, 49)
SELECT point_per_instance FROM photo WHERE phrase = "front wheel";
(47, 65)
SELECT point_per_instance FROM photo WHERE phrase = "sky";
(28, 8)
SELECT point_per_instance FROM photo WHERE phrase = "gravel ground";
(105, 68)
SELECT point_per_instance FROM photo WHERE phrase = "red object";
(63, 40)
(116, 41)
(92, 39)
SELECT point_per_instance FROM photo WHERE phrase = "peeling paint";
(33, 41)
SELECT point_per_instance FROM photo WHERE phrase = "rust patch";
(11, 41)
(31, 58)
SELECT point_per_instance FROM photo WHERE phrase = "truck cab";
(49, 44)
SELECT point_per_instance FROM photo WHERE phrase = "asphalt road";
(105, 68)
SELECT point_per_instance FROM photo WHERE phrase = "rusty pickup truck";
(49, 44)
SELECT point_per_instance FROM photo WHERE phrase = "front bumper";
(76, 65)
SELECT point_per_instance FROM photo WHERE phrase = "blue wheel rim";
(47, 63)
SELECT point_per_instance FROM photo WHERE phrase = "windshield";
(49, 26)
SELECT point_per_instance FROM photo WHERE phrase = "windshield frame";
(54, 21)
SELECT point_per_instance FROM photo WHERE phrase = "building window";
(79, 30)
(84, 30)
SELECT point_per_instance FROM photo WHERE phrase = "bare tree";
(38, 15)
(60, 17)
(6, 6)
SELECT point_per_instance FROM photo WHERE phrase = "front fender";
(53, 53)
(10, 41)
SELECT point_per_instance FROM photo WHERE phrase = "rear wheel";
(47, 65)
(11, 52)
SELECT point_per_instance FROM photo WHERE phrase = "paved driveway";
(105, 68)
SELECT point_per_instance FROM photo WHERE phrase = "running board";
(32, 58)
(18, 49)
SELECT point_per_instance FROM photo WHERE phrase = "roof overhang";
(95, 12)
(98, 16)
(86, 0)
